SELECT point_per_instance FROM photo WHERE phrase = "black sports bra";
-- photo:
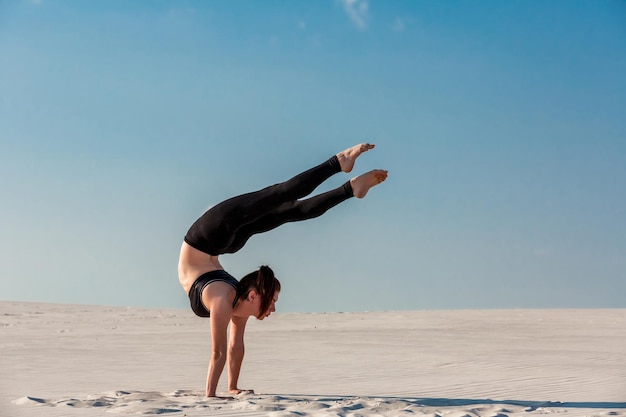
(195, 292)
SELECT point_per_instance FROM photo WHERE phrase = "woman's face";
(271, 308)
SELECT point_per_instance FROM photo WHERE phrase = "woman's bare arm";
(236, 352)
(221, 311)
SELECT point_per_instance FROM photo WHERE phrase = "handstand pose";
(226, 227)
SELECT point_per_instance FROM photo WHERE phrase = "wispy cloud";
(181, 12)
(358, 12)
(399, 25)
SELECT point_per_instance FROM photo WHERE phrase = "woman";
(226, 227)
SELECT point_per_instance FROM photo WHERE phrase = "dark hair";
(264, 283)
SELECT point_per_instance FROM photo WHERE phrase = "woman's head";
(265, 285)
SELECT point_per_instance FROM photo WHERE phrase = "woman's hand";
(237, 391)
(217, 397)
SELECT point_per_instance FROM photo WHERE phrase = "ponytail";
(264, 283)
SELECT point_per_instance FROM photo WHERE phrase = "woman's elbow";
(218, 355)
(236, 349)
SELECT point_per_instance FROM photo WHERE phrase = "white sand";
(65, 360)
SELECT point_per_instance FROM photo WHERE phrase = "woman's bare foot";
(362, 184)
(347, 157)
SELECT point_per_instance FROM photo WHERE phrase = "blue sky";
(501, 124)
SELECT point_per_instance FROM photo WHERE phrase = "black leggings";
(226, 227)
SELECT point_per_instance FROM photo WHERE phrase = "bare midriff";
(193, 263)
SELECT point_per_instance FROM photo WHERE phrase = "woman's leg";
(292, 211)
(215, 231)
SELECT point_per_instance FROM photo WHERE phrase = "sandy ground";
(68, 360)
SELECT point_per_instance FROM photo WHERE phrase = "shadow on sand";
(464, 402)
(533, 405)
